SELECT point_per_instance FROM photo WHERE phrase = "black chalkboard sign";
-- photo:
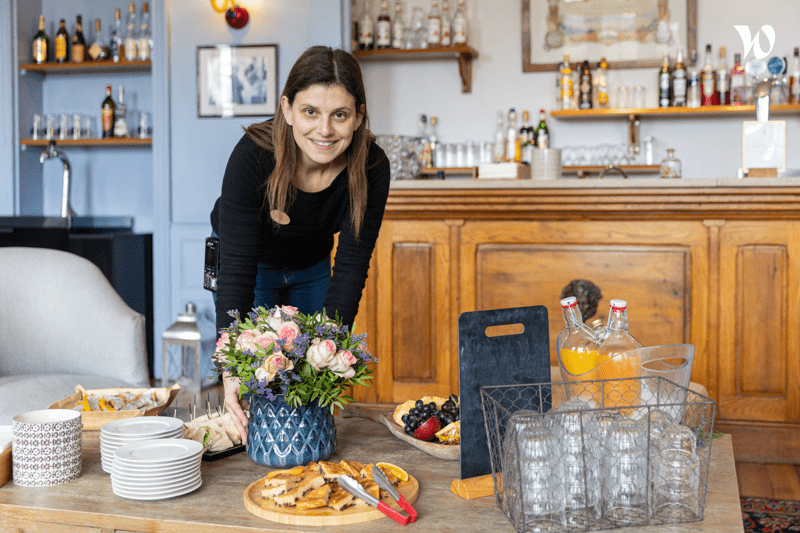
(502, 360)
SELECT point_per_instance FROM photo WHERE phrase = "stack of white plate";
(156, 469)
(124, 431)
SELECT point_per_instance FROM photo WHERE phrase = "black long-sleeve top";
(248, 235)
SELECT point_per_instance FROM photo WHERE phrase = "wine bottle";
(679, 82)
(145, 36)
(115, 45)
(62, 42)
(383, 29)
(131, 35)
(78, 42)
(723, 88)
(542, 133)
(107, 113)
(365, 37)
(120, 118)
(98, 51)
(664, 85)
(585, 86)
(41, 43)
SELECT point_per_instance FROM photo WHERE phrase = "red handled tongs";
(354, 487)
(381, 479)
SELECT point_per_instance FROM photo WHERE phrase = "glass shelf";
(89, 142)
(703, 111)
(88, 66)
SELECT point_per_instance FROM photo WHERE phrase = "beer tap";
(50, 153)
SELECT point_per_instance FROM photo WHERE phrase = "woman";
(292, 183)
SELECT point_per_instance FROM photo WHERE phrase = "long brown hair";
(324, 66)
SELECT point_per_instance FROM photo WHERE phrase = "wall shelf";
(704, 111)
(584, 171)
(89, 66)
(463, 54)
(89, 142)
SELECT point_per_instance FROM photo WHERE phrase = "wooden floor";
(769, 480)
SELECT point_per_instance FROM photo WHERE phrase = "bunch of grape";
(450, 410)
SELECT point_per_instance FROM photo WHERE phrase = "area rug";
(762, 515)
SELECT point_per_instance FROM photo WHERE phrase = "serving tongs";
(354, 487)
(382, 481)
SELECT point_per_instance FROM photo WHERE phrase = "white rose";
(287, 332)
(342, 364)
(265, 339)
(320, 353)
(247, 340)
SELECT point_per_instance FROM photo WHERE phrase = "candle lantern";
(181, 352)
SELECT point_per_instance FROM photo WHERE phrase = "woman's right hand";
(231, 388)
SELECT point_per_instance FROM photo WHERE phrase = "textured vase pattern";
(279, 436)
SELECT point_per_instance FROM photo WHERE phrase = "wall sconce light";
(235, 16)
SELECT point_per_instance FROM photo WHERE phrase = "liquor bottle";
(585, 101)
(398, 27)
(708, 81)
(437, 158)
(576, 344)
(679, 81)
(447, 27)
(41, 43)
(460, 25)
(602, 84)
(115, 45)
(618, 360)
(422, 132)
(542, 133)
(738, 95)
(565, 87)
(693, 89)
(664, 85)
(62, 42)
(145, 34)
(120, 115)
(671, 166)
(107, 113)
(383, 29)
(98, 51)
(512, 135)
(434, 25)
(131, 34)
(78, 50)
(723, 79)
(794, 79)
(526, 137)
(365, 36)
(499, 147)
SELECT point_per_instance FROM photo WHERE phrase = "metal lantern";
(181, 352)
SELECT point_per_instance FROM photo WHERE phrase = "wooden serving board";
(448, 452)
(324, 516)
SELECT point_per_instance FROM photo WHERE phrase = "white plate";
(141, 426)
(137, 495)
(138, 473)
(158, 451)
(156, 486)
(141, 466)
(125, 439)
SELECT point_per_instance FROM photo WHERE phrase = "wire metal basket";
(558, 464)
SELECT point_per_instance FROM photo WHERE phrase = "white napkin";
(6, 436)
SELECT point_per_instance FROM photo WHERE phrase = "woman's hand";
(231, 387)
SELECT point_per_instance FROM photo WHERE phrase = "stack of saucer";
(156, 469)
(127, 430)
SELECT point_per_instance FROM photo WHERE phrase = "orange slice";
(396, 471)
(294, 471)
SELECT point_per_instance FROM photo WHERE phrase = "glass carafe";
(671, 166)
(576, 348)
(618, 359)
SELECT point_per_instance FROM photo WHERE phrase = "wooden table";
(88, 505)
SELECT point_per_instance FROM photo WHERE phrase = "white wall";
(398, 91)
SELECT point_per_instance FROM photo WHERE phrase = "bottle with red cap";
(576, 345)
(618, 358)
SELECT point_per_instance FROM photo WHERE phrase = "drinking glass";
(679, 436)
(677, 483)
(639, 100)
(63, 126)
(473, 154)
(76, 126)
(541, 473)
(487, 148)
(145, 128)
(420, 30)
(625, 480)
(623, 99)
(654, 423)
(88, 127)
(450, 155)
(461, 155)
(49, 126)
(36, 130)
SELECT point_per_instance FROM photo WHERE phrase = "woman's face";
(323, 120)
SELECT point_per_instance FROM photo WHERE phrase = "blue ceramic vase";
(280, 436)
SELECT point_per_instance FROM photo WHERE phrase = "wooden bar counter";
(88, 504)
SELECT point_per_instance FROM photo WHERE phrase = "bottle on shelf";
(565, 86)
(527, 138)
(107, 111)
(41, 43)
(617, 359)
(120, 115)
(585, 99)
(738, 94)
(542, 133)
(383, 28)
(115, 45)
(794, 79)
(447, 26)
(693, 88)
(576, 344)
(784, 98)
(601, 82)
(499, 147)
(576, 85)
(365, 36)
(98, 51)
(398, 27)
(437, 158)
(670, 166)
(708, 80)
(131, 34)
(664, 82)
(426, 158)
(62, 42)
(145, 34)
(512, 136)
(459, 30)
(78, 49)
(723, 79)
(434, 25)
(679, 81)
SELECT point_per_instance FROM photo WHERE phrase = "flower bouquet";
(281, 352)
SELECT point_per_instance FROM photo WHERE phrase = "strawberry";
(427, 430)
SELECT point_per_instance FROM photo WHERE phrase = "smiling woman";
(291, 184)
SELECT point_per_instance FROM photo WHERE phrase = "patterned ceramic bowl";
(47, 447)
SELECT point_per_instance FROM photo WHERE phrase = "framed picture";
(628, 33)
(237, 81)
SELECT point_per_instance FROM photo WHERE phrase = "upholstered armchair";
(62, 324)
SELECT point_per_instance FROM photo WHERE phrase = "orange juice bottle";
(617, 360)
(576, 348)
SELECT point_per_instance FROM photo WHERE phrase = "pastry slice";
(366, 473)
(312, 467)
(316, 498)
(270, 492)
(372, 488)
(310, 482)
(340, 499)
(353, 468)
(282, 480)
(331, 471)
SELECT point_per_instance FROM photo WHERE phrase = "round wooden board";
(324, 516)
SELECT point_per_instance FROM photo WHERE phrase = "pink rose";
(275, 320)
(287, 332)
(265, 339)
(222, 344)
(247, 340)
(269, 368)
(289, 310)
(320, 353)
(342, 364)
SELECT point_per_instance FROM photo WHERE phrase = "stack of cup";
(625, 473)
(677, 475)
(541, 475)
